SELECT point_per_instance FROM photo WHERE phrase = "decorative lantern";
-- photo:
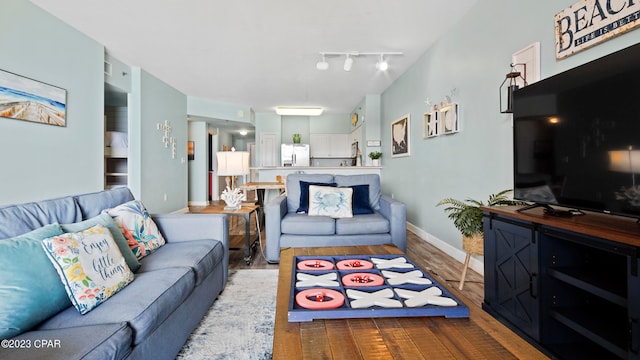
(512, 81)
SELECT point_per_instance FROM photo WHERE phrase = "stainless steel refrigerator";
(294, 155)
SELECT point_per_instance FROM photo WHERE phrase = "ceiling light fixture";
(348, 63)
(243, 132)
(322, 64)
(298, 111)
(381, 65)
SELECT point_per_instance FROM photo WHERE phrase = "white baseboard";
(181, 211)
(455, 253)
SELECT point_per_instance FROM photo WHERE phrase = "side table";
(265, 190)
(217, 207)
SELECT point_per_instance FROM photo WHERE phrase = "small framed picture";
(354, 119)
(449, 119)
(430, 124)
(400, 129)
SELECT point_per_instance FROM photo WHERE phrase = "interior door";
(269, 149)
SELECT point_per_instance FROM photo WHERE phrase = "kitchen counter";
(270, 173)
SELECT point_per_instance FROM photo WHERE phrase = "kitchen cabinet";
(330, 146)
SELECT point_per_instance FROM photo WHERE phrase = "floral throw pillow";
(138, 228)
(90, 265)
(330, 201)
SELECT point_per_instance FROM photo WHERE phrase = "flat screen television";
(577, 137)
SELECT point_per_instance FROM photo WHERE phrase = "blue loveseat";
(286, 226)
(153, 316)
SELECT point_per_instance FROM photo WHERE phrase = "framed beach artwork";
(400, 136)
(25, 99)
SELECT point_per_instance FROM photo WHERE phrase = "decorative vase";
(375, 162)
(296, 138)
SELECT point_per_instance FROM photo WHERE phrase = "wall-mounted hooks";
(167, 139)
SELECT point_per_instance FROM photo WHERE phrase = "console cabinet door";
(511, 274)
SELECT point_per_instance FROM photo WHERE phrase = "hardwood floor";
(427, 256)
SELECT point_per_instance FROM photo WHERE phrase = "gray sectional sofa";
(154, 315)
(287, 226)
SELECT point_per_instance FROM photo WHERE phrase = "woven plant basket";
(473, 244)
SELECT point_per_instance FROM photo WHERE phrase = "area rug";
(239, 325)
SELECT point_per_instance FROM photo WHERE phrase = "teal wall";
(306, 125)
(43, 161)
(330, 124)
(217, 110)
(265, 123)
(120, 74)
(157, 173)
(470, 62)
(295, 125)
(368, 111)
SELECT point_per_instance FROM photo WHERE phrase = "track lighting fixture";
(381, 65)
(322, 64)
(348, 63)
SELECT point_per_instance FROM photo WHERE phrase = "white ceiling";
(263, 53)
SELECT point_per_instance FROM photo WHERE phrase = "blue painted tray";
(407, 290)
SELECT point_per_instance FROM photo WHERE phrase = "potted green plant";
(467, 218)
(375, 157)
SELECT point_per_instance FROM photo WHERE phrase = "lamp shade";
(626, 161)
(233, 163)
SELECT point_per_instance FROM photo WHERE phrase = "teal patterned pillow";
(330, 201)
(90, 265)
(138, 228)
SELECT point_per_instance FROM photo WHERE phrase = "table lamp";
(627, 161)
(232, 164)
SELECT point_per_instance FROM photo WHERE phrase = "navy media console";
(569, 286)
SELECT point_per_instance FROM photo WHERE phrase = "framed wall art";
(25, 99)
(400, 129)
(430, 124)
(448, 118)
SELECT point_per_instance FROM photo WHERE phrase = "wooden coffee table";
(478, 337)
